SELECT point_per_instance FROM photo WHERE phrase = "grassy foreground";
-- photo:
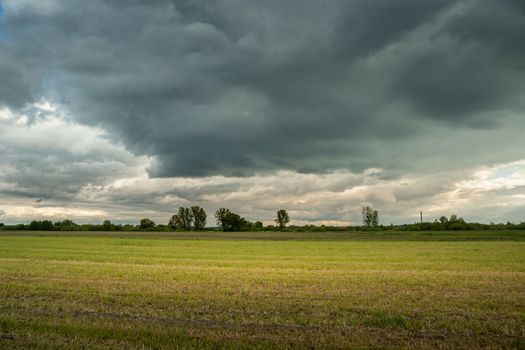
(265, 290)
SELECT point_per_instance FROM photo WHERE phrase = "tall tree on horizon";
(282, 218)
(370, 216)
(199, 217)
(193, 218)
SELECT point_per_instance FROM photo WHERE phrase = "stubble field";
(262, 290)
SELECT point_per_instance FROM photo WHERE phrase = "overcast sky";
(113, 109)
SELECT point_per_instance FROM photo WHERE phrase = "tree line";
(186, 219)
(194, 218)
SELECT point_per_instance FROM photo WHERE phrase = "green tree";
(456, 223)
(106, 225)
(183, 220)
(175, 222)
(35, 225)
(229, 221)
(233, 222)
(186, 218)
(199, 217)
(66, 225)
(146, 223)
(220, 216)
(282, 218)
(46, 225)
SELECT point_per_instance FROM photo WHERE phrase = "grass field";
(262, 290)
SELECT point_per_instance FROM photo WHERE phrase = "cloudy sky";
(113, 109)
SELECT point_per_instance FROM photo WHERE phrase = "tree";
(229, 221)
(45, 225)
(65, 225)
(220, 216)
(233, 222)
(282, 218)
(146, 223)
(456, 223)
(182, 220)
(188, 219)
(375, 218)
(175, 222)
(370, 216)
(366, 212)
(35, 225)
(106, 224)
(199, 217)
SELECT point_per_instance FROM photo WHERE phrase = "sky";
(121, 110)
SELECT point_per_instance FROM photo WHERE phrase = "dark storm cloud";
(475, 65)
(234, 87)
(16, 86)
(368, 26)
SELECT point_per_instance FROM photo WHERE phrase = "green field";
(262, 290)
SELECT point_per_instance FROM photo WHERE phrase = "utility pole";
(421, 216)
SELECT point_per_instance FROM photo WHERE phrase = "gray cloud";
(258, 105)
(470, 71)
(16, 87)
(58, 169)
(367, 27)
(48, 157)
(237, 88)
